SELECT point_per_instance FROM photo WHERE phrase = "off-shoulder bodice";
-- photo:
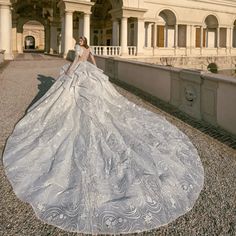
(82, 52)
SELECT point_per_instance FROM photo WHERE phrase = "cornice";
(197, 7)
(75, 5)
(5, 3)
(128, 12)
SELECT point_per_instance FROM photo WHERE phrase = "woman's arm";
(92, 58)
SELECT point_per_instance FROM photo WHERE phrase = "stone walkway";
(28, 78)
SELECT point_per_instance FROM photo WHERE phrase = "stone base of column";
(124, 51)
(188, 51)
(8, 56)
(228, 50)
(64, 55)
(140, 53)
(123, 54)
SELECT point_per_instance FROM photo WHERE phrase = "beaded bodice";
(83, 53)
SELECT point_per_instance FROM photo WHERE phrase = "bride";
(90, 161)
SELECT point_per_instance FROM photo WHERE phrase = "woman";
(90, 161)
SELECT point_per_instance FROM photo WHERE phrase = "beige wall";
(152, 79)
(146, 78)
(226, 105)
(204, 96)
(35, 29)
(198, 10)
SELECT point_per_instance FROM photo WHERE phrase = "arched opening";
(234, 35)
(166, 29)
(34, 35)
(211, 37)
(29, 42)
(101, 23)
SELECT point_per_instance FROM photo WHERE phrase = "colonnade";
(191, 39)
(5, 29)
(67, 29)
(119, 32)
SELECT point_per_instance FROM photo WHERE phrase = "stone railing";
(112, 50)
(202, 95)
(132, 50)
(106, 50)
(1, 55)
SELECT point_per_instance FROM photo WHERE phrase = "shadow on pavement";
(44, 86)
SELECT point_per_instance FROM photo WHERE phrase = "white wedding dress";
(90, 161)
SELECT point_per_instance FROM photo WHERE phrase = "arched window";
(211, 39)
(166, 32)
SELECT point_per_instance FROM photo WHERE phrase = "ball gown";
(90, 161)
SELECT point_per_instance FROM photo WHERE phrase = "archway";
(166, 29)
(101, 23)
(29, 42)
(34, 35)
(211, 24)
(33, 19)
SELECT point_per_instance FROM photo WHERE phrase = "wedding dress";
(88, 160)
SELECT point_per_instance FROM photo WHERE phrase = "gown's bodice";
(82, 52)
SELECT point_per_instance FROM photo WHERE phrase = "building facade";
(138, 28)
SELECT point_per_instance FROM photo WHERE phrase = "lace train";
(90, 161)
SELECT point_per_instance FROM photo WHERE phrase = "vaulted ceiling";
(35, 8)
(101, 8)
(47, 9)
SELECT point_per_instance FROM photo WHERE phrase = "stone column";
(188, 39)
(87, 26)
(201, 35)
(14, 37)
(53, 38)
(19, 38)
(115, 32)
(176, 35)
(229, 37)
(193, 36)
(155, 35)
(6, 31)
(229, 40)
(149, 35)
(62, 43)
(124, 33)
(68, 32)
(218, 37)
(140, 36)
(47, 37)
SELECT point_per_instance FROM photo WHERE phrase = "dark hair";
(85, 41)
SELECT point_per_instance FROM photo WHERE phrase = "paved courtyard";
(27, 78)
